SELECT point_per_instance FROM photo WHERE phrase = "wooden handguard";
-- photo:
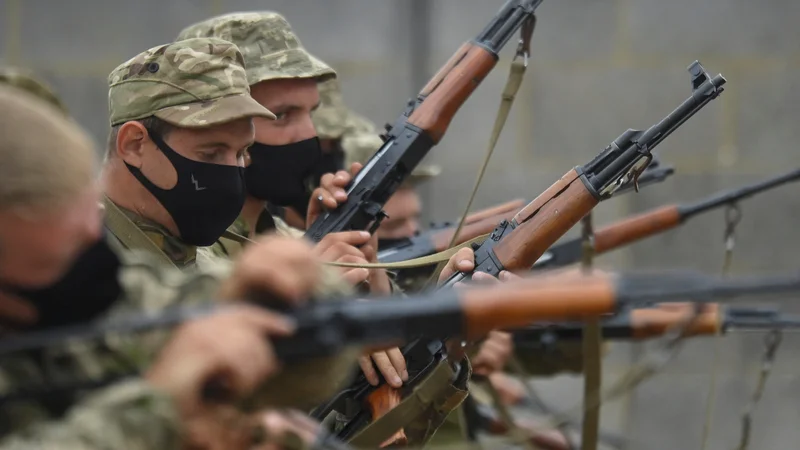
(635, 228)
(381, 401)
(471, 230)
(449, 89)
(652, 322)
(544, 221)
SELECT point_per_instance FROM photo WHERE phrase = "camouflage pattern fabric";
(129, 415)
(182, 255)
(270, 47)
(193, 83)
(22, 79)
(301, 385)
(148, 288)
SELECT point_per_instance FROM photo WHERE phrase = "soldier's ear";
(132, 141)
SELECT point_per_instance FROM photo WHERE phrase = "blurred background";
(597, 68)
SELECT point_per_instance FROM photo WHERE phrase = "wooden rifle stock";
(638, 227)
(485, 224)
(450, 87)
(543, 221)
(503, 209)
(648, 323)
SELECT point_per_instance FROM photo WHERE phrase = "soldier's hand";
(464, 261)
(227, 350)
(390, 363)
(282, 266)
(330, 192)
(493, 353)
(378, 278)
(343, 247)
(277, 425)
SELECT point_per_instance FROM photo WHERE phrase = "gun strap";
(436, 394)
(422, 261)
(592, 353)
(129, 234)
(515, 75)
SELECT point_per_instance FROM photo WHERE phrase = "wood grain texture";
(554, 297)
(381, 401)
(447, 91)
(559, 212)
(653, 322)
(636, 228)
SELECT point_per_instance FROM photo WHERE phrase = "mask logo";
(196, 185)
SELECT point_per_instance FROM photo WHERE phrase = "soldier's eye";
(281, 116)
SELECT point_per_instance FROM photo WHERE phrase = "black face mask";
(86, 291)
(330, 162)
(205, 201)
(278, 173)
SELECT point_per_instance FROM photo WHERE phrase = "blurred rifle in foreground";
(647, 323)
(471, 313)
(655, 221)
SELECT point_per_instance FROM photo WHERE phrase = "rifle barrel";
(732, 196)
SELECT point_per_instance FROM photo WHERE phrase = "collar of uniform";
(181, 253)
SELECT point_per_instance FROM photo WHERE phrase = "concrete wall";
(598, 67)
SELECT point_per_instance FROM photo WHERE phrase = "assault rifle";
(647, 323)
(655, 221)
(425, 121)
(482, 222)
(543, 297)
(518, 244)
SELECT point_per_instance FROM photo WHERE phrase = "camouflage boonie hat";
(193, 83)
(270, 48)
(22, 79)
(333, 119)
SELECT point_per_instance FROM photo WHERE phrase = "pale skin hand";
(283, 266)
(277, 424)
(495, 351)
(228, 348)
(330, 194)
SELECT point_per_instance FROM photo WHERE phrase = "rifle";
(436, 239)
(542, 297)
(518, 244)
(425, 121)
(483, 222)
(647, 323)
(655, 221)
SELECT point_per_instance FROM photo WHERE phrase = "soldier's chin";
(305, 385)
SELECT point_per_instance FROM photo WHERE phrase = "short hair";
(46, 159)
(152, 123)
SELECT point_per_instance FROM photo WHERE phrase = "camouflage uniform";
(147, 287)
(194, 83)
(271, 51)
(128, 414)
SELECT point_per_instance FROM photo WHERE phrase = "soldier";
(25, 80)
(49, 226)
(283, 77)
(181, 119)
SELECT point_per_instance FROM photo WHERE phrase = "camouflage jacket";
(129, 415)
(133, 232)
(147, 287)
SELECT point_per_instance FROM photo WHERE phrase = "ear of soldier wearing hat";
(270, 47)
(192, 83)
(25, 80)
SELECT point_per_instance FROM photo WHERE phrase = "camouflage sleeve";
(129, 415)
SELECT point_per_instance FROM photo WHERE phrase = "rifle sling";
(129, 234)
(422, 261)
(436, 393)
(514, 81)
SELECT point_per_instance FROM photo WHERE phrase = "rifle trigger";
(377, 222)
